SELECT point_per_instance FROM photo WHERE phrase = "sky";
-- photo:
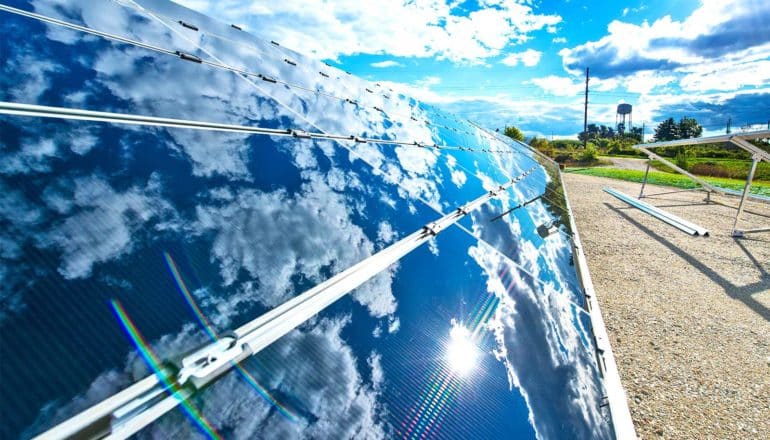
(522, 62)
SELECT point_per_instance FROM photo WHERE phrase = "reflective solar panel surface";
(481, 333)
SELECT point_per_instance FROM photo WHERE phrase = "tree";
(538, 143)
(589, 154)
(514, 133)
(689, 128)
(667, 130)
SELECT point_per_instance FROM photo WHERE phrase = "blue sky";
(521, 62)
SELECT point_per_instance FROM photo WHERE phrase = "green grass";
(669, 179)
(734, 168)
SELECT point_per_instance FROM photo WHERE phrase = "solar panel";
(166, 180)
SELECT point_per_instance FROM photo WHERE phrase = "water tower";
(620, 117)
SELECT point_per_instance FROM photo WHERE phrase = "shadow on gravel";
(741, 293)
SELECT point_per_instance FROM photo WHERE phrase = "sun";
(462, 354)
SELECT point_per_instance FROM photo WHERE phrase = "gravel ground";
(688, 317)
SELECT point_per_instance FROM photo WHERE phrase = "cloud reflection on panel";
(259, 233)
(543, 353)
(322, 389)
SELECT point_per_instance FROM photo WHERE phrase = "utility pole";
(729, 121)
(585, 115)
(643, 131)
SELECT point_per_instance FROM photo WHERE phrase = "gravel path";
(688, 317)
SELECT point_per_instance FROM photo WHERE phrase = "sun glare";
(462, 354)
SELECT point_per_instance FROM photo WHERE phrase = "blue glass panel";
(477, 334)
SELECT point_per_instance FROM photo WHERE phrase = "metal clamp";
(208, 360)
(188, 25)
(431, 229)
(188, 57)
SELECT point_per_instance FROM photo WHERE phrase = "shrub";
(682, 158)
(589, 154)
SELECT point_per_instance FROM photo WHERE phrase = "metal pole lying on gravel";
(671, 219)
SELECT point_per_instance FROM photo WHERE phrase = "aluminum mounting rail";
(13, 108)
(671, 219)
(617, 400)
(133, 408)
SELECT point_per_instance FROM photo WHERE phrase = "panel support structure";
(646, 173)
(746, 189)
(739, 140)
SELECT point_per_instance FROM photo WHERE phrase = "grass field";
(669, 179)
(733, 168)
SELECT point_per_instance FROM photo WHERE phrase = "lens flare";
(154, 364)
(462, 354)
(209, 328)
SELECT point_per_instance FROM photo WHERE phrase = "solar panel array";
(166, 178)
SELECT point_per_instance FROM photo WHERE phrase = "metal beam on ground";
(667, 217)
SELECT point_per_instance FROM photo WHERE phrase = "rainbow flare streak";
(209, 328)
(425, 418)
(154, 364)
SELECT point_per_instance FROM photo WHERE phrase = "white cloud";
(404, 29)
(385, 233)
(647, 81)
(559, 40)
(717, 47)
(726, 76)
(558, 85)
(529, 58)
(386, 63)
(256, 234)
(102, 228)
